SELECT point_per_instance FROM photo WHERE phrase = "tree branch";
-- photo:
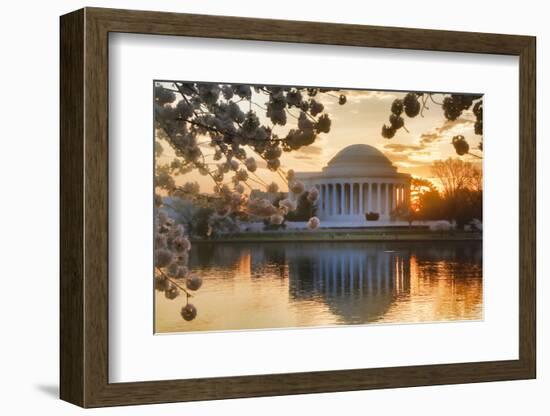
(174, 282)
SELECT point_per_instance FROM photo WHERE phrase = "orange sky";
(360, 121)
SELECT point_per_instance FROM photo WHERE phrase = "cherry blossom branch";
(432, 98)
(174, 282)
(175, 147)
(424, 100)
(259, 178)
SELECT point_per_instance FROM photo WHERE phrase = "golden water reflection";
(275, 285)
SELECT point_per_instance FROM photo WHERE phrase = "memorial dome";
(359, 179)
(360, 160)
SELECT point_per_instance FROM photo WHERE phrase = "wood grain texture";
(71, 100)
(84, 207)
(527, 207)
(96, 219)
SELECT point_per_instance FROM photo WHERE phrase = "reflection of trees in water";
(268, 260)
(456, 261)
(358, 281)
(263, 257)
(216, 255)
(470, 251)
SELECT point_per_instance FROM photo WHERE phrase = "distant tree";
(431, 206)
(464, 206)
(462, 190)
(404, 212)
(476, 184)
(418, 187)
(474, 207)
(180, 210)
(200, 223)
(222, 224)
(305, 209)
(454, 174)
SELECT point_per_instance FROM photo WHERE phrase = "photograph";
(282, 206)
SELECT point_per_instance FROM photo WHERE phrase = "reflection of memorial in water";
(304, 284)
(357, 283)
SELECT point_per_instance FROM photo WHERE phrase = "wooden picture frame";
(84, 207)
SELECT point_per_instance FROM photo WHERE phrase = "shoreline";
(343, 236)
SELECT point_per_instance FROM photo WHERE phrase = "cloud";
(447, 129)
(307, 152)
(406, 159)
(312, 150)
(400, 148)
(429, 138)
(356, 96)
(413, 158)
(460, 123)
(410, 165)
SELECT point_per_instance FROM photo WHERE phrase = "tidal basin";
(270, 285)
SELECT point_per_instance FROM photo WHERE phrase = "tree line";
(459, 198)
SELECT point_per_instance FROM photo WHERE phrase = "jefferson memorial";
(358, 180)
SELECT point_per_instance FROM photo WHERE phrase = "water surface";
(277, 285)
